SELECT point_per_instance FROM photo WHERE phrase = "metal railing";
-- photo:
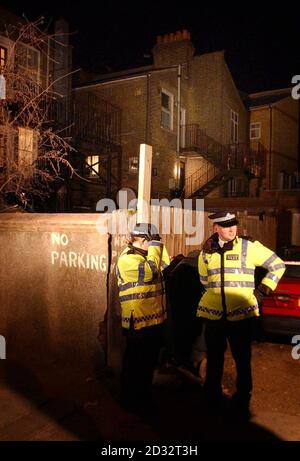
(228, 156)
(197, 140)
(232, 159)
(95, 119)
(200, 178)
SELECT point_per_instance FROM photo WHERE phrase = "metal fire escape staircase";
(223, 162)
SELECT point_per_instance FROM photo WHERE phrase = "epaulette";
(211, 244)
(247, 237)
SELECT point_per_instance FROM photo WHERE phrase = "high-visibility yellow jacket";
(165, 258)
(141, 287)
(228, 277)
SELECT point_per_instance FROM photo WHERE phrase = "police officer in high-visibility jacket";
(227, 265)
(143, 313)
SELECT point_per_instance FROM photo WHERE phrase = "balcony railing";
(96, 120)
(200, 178)
(196, 140)
(231, 159)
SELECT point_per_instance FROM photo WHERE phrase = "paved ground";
(86, 408)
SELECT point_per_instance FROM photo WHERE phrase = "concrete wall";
(53, 271)
(57, 281)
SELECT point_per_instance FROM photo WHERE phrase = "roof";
(128, 73)
(267, 98)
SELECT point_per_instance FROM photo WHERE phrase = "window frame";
(169, 111)
(8, 44)
(234, 126)
(131, 170)
(253, 129)
(93, 172)
(4, 59)
(36, 77)
(24, 151)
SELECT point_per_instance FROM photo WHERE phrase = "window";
(93, 168)
(29, 61)
(236, 187)
(27, 147)
(234, 125)
(133, 164)
(3, 57)
(255, 130)
(167, 103)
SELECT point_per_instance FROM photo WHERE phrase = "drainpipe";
(147, 140)
(298, 164)
(178, 125)
(270, 147)
(48, 64)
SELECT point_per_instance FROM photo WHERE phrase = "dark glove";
(261, 291)
(156, 237)
(173, 264)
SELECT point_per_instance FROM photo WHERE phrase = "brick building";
(42, 71)
(274, 122)
(36, 93)
(189, 109)
(209, 140)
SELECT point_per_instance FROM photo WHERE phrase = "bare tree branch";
(33, 152)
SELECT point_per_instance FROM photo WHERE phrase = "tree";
(34, 149)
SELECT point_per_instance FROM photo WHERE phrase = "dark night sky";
(261, 41)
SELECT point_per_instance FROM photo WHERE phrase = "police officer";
(143, 313)
(227, 264)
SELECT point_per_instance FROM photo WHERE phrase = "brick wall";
(207, 93)
(279, 136)
(285, 139)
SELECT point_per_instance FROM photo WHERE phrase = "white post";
(144, 192)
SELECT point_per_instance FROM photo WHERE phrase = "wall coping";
(33, 222)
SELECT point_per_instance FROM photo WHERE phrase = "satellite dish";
(126, 199)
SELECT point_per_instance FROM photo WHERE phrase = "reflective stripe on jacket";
(228, 278)
(165, 258)
(141, 289)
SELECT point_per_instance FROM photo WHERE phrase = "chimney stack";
(173, 48)
(173, 37)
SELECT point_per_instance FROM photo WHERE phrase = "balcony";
(223, 161)
(196, 142)
(96, 121)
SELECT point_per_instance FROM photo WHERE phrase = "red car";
(281, 310)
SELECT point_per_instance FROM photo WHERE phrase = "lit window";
(3, 57)
(255, 130)
(93, 165)
(27, 147)
(133, 164)
(234, 124)
(167, 103)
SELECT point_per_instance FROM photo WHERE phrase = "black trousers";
(139, 362)
(239, 336)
